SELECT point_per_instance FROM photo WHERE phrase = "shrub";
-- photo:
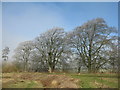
(9, 67)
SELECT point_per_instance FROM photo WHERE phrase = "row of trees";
(92, 45)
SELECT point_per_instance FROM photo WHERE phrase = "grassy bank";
(59, 80)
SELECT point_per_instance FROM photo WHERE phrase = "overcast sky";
(24, 21)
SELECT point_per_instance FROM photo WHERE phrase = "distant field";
(58, 80)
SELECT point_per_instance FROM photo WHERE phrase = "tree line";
(92, 46)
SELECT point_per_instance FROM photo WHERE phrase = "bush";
(9, 67)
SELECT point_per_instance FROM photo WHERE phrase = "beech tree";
(51, 46)
(37, 61)
(90, 41)
(22, 53)
(113, 57)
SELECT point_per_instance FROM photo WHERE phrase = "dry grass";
(44, 80)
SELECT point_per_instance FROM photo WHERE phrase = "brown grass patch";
(47, 80)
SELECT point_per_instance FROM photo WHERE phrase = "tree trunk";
(51, 69)
(89, 69)
(79, 69)
(113, 69)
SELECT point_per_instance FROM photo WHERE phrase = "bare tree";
(38, 63)
(51, 46)
(113, 57)
(91, 41)
(22, 53)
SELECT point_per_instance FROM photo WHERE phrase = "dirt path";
(47, 80)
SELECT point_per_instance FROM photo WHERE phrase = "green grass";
(84, 81)
(112, 82)
(89, 80)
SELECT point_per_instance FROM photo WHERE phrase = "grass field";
(58, 80)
